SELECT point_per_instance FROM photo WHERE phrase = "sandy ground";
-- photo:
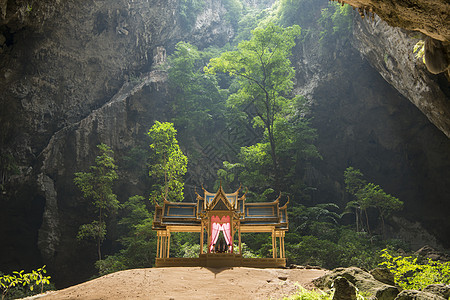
(191, 283)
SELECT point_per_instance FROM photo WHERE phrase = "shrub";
(304, 294)
(19, 283)
(411, 274)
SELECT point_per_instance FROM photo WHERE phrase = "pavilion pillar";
(168, 244)
(161, 245)
(202, 234)
(273, 244)
(157, 244)
(239, 234)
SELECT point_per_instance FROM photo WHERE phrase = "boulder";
(362, 280)
(386, 293)
(383, 275)
(344, 289)
(431, 253)
(438, 289)
(417, 295)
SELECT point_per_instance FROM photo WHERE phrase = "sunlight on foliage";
(304, 294)
(17, 280)
(419, 49)
(409, 273)
(169, 164)
(97, 186)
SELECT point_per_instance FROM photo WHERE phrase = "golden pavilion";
(220, 218)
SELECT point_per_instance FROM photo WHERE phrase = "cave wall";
(365, 92)
(74, 75)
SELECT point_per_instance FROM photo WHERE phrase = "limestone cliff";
(427, 16)
(75, 75)
(389, 50)
(367, 121)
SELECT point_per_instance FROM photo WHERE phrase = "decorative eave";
(285, 205)
(221, 195)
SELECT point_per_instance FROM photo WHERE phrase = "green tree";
(375, 197)
(17, 280)
(97, 185)
(169, 164)
(411, 274)
(353, 183)
(198, 100)
(265, 75)
(366, 195)
(137, 238)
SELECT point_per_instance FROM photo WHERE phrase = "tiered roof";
(249, 214)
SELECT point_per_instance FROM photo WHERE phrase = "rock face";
(389, 50)
(427, 16)
(344, 289)
(75, 75)
(361, 122)
(355, 277)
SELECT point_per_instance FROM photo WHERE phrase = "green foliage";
(409, 273)
(303, 219)
(257, 244)
(353, 180)
(137, 238)
(234, 11)
(188, 11)
(368, 195)
(299, 12)
(265, 76)
(336, 22)
(135, 159)
(228, 175)
(419, 47)
(96, 185)
(169, 164)
(304, 294)
(94, 230)
(331, 246)
(17, 281)
(198, 100)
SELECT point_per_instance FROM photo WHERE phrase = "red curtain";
(217, 225)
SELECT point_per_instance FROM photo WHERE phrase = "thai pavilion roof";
(249, 214)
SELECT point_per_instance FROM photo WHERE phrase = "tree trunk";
(367, 221)
(99, 235)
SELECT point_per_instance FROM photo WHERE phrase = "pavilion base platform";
(220, 260)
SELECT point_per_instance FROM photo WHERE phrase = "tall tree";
(169, 164)
(198, 101)
(265, 75)
(368, 195)
(96, 185)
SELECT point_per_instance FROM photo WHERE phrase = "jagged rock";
(438, 289)
(427, 16)
(431, 253)
(417, 295)
(383, 275)
(361, 279)
(389, 50)
(344, 289)
(387, 293)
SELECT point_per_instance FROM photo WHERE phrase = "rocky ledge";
(376, 284)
